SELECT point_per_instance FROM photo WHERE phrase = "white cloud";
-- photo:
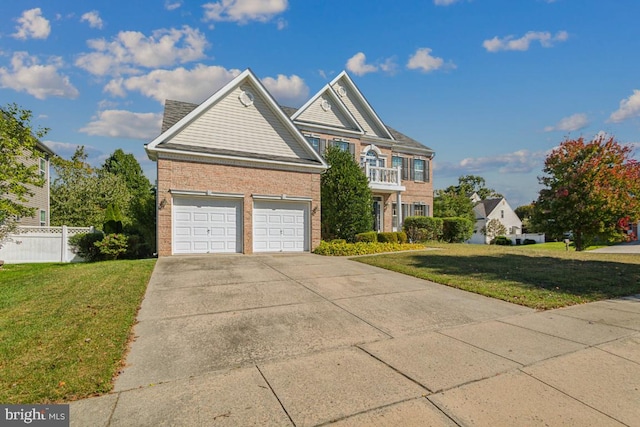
(193, 85)
(444, 2)
(570, 124)
(545, 38)
(287, 90)
(629, 108)
(172, 5)
(132, 49)
(243, 11)
(522, 161)
(281, 24)
(423, 61)
(93, 18)
(124, 124)
(357, 64)
(41, 81)
(32, 25)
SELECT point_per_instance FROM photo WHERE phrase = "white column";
(399, 208)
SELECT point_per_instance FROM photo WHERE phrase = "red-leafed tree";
(588, 188)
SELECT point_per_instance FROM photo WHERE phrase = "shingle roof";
(176, 110)
(485, 207)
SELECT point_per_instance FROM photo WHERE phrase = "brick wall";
(194, 176)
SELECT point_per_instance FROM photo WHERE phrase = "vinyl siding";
(229, 125)
(40, 198)
(334, 117)
(359, 112)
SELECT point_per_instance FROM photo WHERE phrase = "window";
(418, 170)
(43, 218)
(394, 213)
(419, 209)
(396, 161)
(43, 168)
(502, 214)
(314, 141)
(343, 145)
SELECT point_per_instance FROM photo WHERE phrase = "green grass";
(540, 278)
(64, 327)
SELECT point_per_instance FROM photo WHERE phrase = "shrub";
(422, 228)
(369, 237)
(456, 229)
(84, 245)
(402, 237)
(137, 247)
(361, 248)
(112, 245)
(529, 242)
(112, 219)
(387, 237)
(502, 241)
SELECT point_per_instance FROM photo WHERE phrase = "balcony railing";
(383, 178)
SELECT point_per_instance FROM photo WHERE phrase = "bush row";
(342, 248)
(451, 230)
(384, 237)
(98, 246)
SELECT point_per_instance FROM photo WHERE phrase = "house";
(239, 173)
(493, 209)
(40, 198)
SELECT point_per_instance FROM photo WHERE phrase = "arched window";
(372, 157)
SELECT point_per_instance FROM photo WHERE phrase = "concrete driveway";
(306, 340)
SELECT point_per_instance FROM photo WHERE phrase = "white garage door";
(280, 226)
(205, 225)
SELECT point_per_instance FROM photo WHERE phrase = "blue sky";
(490, 85)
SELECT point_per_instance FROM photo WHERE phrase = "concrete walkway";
(306, 340)
(621, 248)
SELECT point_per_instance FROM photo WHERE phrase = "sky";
(491, 85)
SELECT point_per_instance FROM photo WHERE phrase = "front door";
(377, 214)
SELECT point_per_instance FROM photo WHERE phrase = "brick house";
(239, 173)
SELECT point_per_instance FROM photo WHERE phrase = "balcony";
(385, 180)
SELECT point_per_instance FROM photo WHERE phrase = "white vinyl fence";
(41, 244)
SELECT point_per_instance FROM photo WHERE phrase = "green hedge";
(456, 229)
(368, 237)
(502, 241)
(423, 228)
(362, 248)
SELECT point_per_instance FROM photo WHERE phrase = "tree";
(346, 198)
(493, 229)
(80, 194)
(19, 169)
(588, 188)
(525, 213)
(142, 206)
(454, 201)
(469, 184)
(449, 203)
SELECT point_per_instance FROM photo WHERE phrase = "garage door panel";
(281, 226)
(206, 225)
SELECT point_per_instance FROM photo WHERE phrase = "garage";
(204, 225)
(280, 226)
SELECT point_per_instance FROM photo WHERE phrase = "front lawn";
(64, 327)
(537, 278)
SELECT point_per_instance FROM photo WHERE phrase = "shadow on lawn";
(586, 278)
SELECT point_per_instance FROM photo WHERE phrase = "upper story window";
(419, 170)
(373, 159)
(343, 145)
(43, 168)
(314, 141)
(396, 161)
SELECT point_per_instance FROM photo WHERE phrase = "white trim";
(282, 197)
(337, 101)
(172, 154)
(329, 128)
(363, 100)
(246, 75)
(206, 193)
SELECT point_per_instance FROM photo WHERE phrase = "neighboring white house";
(490, 209)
